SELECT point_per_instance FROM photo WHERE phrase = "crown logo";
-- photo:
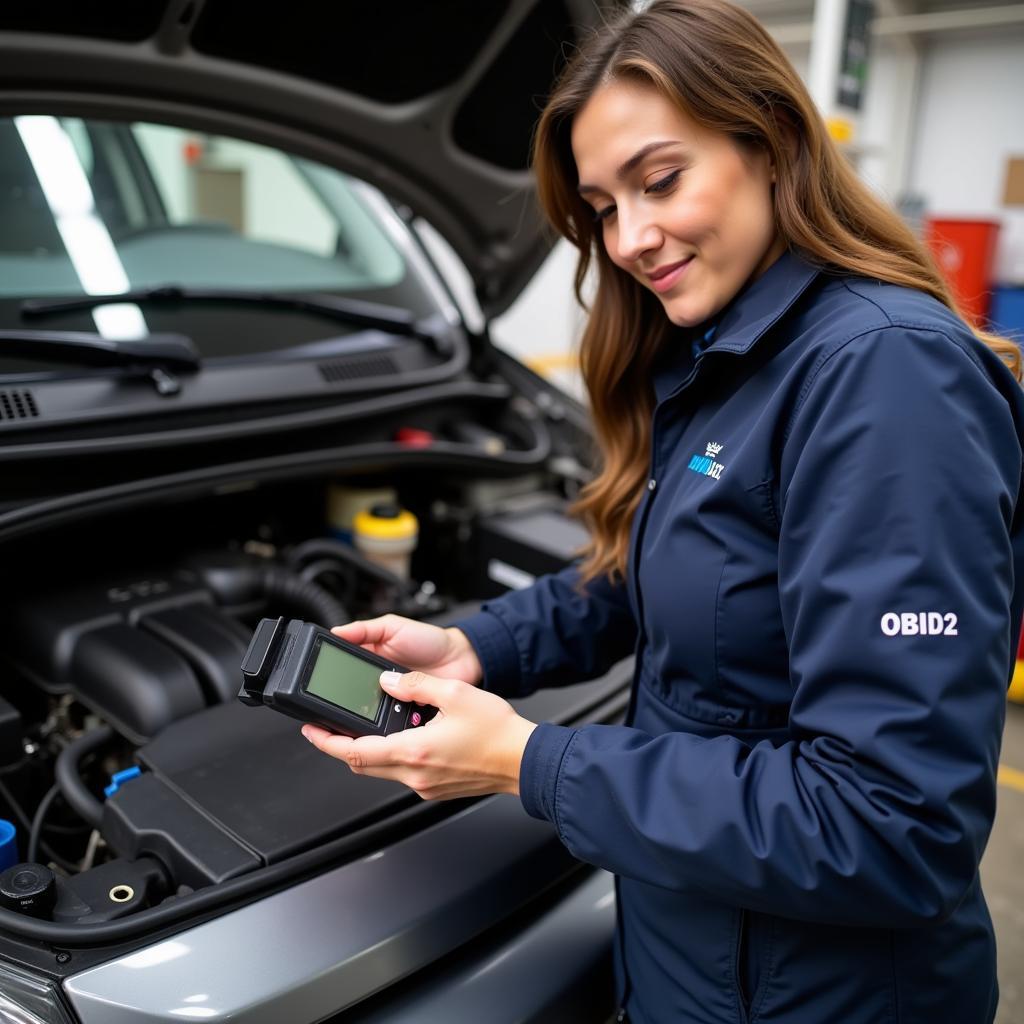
(713, 448)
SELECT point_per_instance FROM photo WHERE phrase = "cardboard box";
(1013, 193)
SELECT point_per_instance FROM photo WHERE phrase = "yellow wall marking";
(1011, 777)
(1016, 691)
(840, 128)
(552, 363)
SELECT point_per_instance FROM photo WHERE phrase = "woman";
(806, 525)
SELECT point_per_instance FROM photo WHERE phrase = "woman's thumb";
(417, 686)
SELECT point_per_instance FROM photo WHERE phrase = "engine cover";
(232, 788)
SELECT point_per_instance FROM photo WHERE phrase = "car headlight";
(28, 999)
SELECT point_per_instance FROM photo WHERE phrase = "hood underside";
(434, 103)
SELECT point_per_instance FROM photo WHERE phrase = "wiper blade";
(357, 312)
(174, 351)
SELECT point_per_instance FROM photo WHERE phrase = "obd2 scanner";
(304, 671)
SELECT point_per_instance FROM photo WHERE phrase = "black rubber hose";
(324, 547)
(319, 566)
(310, 598)
(69, 778)
(347, 583)
(36, 831)
(234, 579)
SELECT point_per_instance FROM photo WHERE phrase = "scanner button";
(415, 718)
(398, 709)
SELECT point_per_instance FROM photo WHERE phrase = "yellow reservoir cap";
(386, 523)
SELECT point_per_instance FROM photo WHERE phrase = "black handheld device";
(303, 670)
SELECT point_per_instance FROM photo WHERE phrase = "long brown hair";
(720, 65)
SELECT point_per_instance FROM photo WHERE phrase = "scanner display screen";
(346, 681)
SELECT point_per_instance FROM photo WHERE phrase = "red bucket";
(965, 251)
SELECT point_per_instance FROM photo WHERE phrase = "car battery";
(516, 546)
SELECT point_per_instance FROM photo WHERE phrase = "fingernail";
(306, 735)
(389, 678)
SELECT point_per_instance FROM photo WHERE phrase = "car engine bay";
(132, 773)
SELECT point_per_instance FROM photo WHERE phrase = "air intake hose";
(240, 579)
(292, 590)
(69, 778)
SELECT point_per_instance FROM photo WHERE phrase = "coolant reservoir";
(386, 534)
(345, 502)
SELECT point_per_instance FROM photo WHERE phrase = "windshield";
(95, 207)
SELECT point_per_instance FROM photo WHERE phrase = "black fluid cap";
(28, 889)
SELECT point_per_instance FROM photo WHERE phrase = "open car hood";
(434, 103)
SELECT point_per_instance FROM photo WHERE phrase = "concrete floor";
(1002, 871)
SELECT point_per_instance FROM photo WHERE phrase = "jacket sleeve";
(898, 489)
(551, 633)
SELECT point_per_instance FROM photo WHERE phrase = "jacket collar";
(762, 303)
(745, 320)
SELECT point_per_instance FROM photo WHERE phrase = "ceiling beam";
(911, 24)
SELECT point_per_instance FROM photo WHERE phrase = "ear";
(767, 157)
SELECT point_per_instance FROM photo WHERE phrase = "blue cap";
(8, 844)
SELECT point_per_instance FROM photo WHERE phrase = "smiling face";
(683, 209)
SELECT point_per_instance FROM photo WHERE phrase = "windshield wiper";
(156, 354)
(357, 312)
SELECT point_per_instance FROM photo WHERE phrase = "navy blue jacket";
(821, 598)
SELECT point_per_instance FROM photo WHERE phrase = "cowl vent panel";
(17, 405)
(355, 369)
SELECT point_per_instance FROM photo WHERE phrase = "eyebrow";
(632, 162)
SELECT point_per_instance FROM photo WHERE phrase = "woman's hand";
(474, 745)
(417, 645)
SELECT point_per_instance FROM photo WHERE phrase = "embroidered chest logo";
(705, 464)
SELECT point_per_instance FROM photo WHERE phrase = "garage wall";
(273, 207)
(970, 119)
